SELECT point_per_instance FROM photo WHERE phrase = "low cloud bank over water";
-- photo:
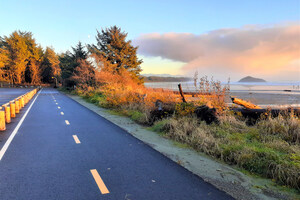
(270, 51)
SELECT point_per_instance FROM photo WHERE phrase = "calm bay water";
(263, 94)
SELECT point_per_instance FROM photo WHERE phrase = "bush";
(184, 109)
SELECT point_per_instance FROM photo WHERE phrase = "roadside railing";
(12, 108)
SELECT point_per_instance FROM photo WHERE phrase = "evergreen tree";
(79, 52)
(22, 58)
(18, 57)
(50, 66)
(70, 61)
(33, 71)
(67, 66)
(113, 47)
(4, 60)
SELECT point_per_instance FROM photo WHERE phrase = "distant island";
(166, 79)
(251, 79)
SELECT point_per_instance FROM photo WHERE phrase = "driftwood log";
(257, 113)
(181, 93)
(207, 114)
(244, 103)
(162, 111)
(253, 112)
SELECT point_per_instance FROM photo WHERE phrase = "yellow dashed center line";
(77, 141)
(103, 189)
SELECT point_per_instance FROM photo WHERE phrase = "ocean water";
(265, 94)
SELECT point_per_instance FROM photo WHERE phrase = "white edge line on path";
(11, 137)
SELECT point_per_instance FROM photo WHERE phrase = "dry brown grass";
(270, 148)
(285, 126)
(275, 156)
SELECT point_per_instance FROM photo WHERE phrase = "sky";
(217, 38)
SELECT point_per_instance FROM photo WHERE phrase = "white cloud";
(253, 49)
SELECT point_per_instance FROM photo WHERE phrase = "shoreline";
(262, 98)
(267, 99)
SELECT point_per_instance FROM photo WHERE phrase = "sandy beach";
(272, 95)
(267, 99)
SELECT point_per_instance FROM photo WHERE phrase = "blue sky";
(62, 23)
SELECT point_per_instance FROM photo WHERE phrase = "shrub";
(211, 92)
(184, 109)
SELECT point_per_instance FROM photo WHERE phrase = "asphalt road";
(43, 161)
(8, 94)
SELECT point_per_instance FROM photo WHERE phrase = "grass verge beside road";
(269, 148)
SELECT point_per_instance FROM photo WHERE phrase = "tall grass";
(285, 126)
(269, 148)
(271, 152)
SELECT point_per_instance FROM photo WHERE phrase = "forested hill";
(251, 79)
(166, 79)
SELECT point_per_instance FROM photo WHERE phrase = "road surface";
(62, 150)
(8, 94)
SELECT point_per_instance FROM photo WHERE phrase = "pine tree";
(79, 52)
(67, 68)
(113, 47)
(4, 60)
(70, 61)
(18, 57)
(50, 66)
(33, 71)
(21, 59)
(21, 50)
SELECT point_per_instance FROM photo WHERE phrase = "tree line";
(23, 61)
